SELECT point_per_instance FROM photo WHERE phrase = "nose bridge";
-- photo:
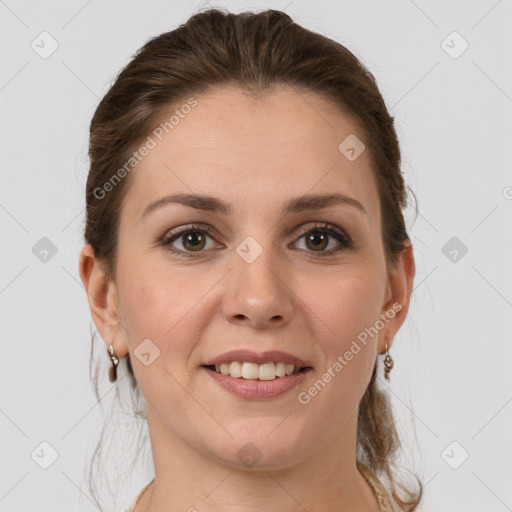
(259, 293)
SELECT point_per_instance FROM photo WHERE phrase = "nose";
(259, 294)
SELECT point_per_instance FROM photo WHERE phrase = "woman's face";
(256, 275)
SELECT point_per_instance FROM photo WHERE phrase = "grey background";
(454, 117)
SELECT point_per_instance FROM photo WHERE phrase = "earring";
(112, 373)
(388, 364)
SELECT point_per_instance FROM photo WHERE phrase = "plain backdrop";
(444, 69)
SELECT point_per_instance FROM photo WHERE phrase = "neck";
(188, 480)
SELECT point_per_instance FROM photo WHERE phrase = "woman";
(246, 252)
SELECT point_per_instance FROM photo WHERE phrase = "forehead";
(253, 151)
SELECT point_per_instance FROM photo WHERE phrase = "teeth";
(250, 371)
(253, 371)
(267, 371)
(235, 369)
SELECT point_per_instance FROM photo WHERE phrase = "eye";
(192, 238)
(317, 239)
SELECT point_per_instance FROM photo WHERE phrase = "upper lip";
(249, 356)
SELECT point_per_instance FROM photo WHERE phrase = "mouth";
(253, 371)
(257, 375)
(253, 381)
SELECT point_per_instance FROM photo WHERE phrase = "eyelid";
(306, 228)
(188, 227)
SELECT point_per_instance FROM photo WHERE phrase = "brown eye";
(318, 239)
(192, 239)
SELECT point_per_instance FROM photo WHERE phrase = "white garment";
(377, 487)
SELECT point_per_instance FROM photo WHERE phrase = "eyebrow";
(293, 205)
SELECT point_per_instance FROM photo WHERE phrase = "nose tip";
(258, 296)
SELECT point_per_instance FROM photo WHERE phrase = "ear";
(102, 297)
(398, 295)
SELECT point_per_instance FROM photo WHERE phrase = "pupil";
(318, 237)
(193, 237)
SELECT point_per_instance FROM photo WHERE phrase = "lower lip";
(257, 389)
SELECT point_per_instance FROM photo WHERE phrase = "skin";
(253, 154)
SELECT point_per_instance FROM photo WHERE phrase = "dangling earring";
(112, 372)
(388, 364)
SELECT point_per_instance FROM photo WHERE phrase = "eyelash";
(326, 228)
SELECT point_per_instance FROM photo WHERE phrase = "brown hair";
(256, 52)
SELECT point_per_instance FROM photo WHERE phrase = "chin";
(260, 446)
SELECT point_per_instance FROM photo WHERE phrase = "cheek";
(155, 295)
(158, 309)
(166, 306)
(344, 306)
(343, 334)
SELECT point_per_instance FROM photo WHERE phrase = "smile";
(254, 371)
(252, 387)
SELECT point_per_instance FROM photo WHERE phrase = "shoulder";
(131, 507)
